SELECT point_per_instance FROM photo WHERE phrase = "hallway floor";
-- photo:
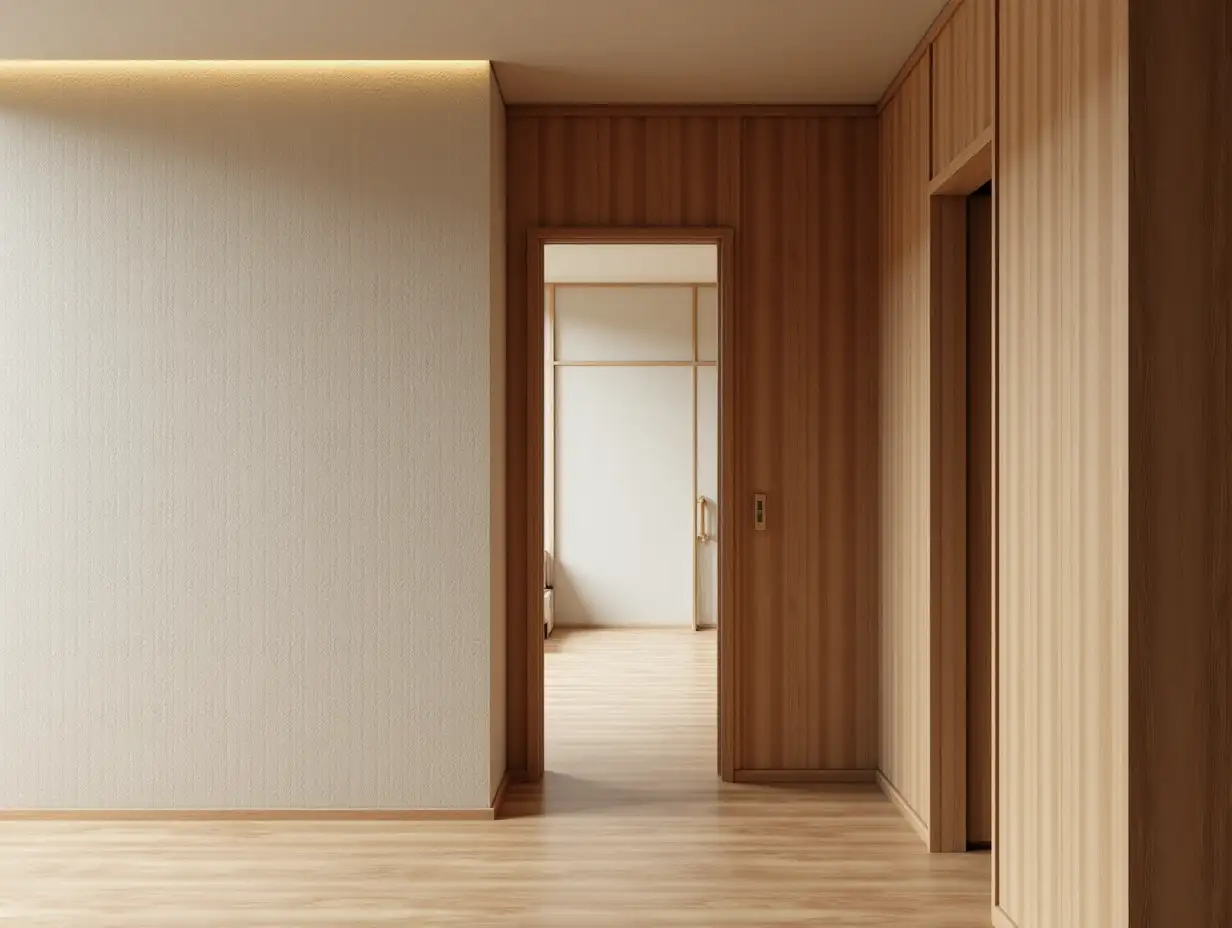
(638, 832)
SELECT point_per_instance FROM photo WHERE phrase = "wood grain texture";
(905, 442)
(806, 776)
(800, 194)
(963, 80)
(981, 450)
(807, 273)
(1180, 473)
(1062, 176)
(692, 110)
(947, 672)
(921, 51)
(630, 828)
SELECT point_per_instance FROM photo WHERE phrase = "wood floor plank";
(631, 827)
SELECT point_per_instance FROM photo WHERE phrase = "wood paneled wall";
(806, 366)
(1062, 175)
(1114, 435)
(905, 564)
(801, 195)
(1180, 439)
(963, 80)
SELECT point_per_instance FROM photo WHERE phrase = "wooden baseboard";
(248, 815)
(499, 799)
(632, 627)
(676, 110)
(805, 776)
(904, 807)
(1000, 919)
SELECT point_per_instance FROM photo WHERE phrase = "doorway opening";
(964, 491)
(631, 412)
(631, 670)
(980, 441)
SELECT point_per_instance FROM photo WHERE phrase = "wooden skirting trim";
(806, 776)
(250, 815)
(631, 285)
(904, 807)
(499, 799)
(609, 110)
(921, 49)
(634, 364)
(970, 170)
(1000, 919)
(632, 627)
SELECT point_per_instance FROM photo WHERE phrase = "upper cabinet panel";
(963, 80)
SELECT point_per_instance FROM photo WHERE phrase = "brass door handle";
(703, 518)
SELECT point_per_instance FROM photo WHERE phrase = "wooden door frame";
(529, 536)
(970, 170)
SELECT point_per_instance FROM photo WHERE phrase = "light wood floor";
(637, 831)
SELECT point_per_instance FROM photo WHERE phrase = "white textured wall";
(624, 457)
(624, 497)
(249, 412)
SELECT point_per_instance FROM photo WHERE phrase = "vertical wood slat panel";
(963, 81)
(1062, 512)
(801, 194)
(804, 252)
(863, 149)
(1180, 438)
(905, 490)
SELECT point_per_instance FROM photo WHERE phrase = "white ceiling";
(547, 51)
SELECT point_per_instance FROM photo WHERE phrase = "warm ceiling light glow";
(244, 65)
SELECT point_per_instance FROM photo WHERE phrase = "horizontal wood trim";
(248, 815)
(635, 364)
(970, 170)
(921, 49)
(1000, 919)
(806, 776)
(623, 285)
(614, 235)
(904, 807)
(630, 626)
(759, 111)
